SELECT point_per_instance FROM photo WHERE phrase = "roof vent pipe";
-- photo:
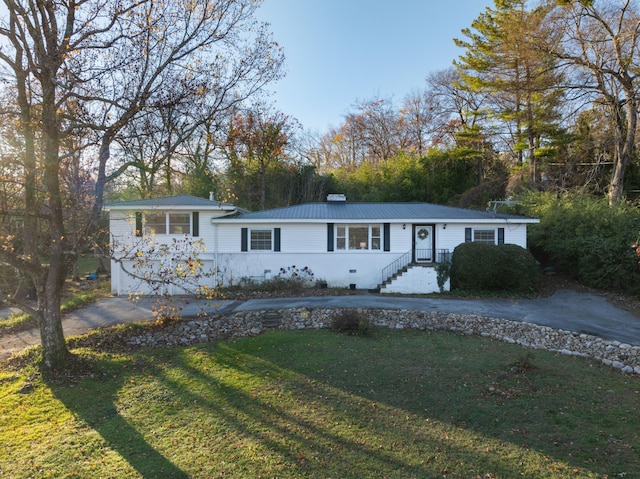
(211, 197)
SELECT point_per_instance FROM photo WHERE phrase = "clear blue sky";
(342, 51)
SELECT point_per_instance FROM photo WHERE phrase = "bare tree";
(601, 40)
(98, 65)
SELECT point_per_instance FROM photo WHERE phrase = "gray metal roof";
(181, 201)
(376, 211)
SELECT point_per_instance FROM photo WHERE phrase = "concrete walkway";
(566, 309)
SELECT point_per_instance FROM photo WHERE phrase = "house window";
(484, 236)
(174, 223)
(156, 223)
(358, 237)
(260, 240)
(179, 223)
(488, 236)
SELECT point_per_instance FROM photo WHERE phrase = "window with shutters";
(162, 223)
(358, 237)
(485, 235)
(261, 240)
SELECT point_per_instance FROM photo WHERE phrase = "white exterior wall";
(302, 245)
(305, 245)
(416, 280)
(122, 225)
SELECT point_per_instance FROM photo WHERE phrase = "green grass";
(316, 404)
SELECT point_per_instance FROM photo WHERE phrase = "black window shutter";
(329, 236)
(276, 239)
(467, 235)
(138, 223)
(500, 235)
(195, 227)
(244, 239)
(386, 231)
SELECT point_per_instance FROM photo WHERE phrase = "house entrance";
(423, 242)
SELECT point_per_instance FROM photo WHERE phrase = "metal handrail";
(442, 256)
(397, 265)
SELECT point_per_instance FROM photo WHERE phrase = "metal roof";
(168, 202)
(376, 211)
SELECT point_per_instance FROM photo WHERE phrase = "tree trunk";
(625, 147)
(54, 348)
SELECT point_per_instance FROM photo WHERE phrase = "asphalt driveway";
(566, 309)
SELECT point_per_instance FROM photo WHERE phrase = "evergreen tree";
(503, 59)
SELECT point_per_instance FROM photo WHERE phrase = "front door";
(423, 243)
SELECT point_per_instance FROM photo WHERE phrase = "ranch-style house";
(390, 247)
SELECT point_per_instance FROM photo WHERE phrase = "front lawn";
(316, 404)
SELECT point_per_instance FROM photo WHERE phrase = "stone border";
(620, 356)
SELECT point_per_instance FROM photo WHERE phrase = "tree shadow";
(96, 407)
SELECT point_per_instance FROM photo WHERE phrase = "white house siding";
(124, 283)
(416, 280)
(122, 223)
(454, 234)
(122, 227)
(303, 243)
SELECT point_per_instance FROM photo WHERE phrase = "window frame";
(172, 225)
(483, 231)
(257, 231)
(344, 241)
(150, 227)
(169, 226)
(498, 235)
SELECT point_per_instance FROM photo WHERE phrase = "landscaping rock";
(621, 356)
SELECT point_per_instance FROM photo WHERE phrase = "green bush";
(485, 267)
(585, 238)
(350, 321)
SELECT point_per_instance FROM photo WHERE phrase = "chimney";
(336, 198)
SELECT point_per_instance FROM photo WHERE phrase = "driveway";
(566, 309)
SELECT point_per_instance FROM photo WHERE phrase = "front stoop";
(416, 278)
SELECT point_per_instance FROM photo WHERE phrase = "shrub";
(585, 238)
(291, 274)
(485, 267)
(350, 321)
(443, 272)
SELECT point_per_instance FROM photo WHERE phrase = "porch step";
(271, 320)
(399, 273)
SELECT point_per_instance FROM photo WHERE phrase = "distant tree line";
(543, 97)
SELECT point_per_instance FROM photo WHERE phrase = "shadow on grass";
(311, 404)
(96, 407)
(344, 435)
(568, 411)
